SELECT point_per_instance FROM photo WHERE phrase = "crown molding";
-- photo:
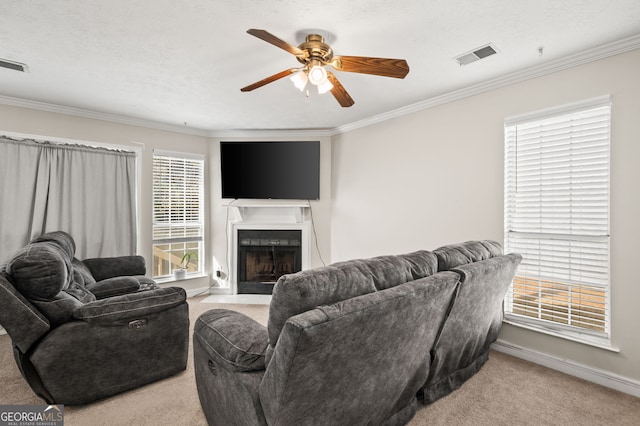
(249, 133)
(600, 52)
(85, 113)
(597, 53)
(271, 133)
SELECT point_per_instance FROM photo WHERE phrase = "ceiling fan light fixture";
(314, 54)
(325, 87)
(317, 75)
(300, 79)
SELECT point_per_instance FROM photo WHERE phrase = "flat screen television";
(270, 170)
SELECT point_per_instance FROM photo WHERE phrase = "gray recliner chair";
(82, 332)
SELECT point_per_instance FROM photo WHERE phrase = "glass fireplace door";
(264, 256)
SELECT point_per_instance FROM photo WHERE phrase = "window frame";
(570, 332)
(184, 240)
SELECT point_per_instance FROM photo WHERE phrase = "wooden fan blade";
(397, 68)
(268, 80)
(270, 38)
(339, 92)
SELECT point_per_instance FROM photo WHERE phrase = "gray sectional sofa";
(355, 342)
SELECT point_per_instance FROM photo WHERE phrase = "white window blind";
(178, 228)
(557, 218)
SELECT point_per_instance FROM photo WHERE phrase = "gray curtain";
(85, 191)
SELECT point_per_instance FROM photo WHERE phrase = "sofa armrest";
(108, 267)
(237, 342)
(24, 323)
(130, 306)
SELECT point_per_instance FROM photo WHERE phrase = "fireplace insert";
(266, 255)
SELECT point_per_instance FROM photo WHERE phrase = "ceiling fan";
(314, 54)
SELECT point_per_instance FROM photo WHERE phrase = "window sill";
(174, 280)
(574, 337)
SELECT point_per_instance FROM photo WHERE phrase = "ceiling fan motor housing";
(315, 49)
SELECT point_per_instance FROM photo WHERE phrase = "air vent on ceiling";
(476, 54)
(17, 66)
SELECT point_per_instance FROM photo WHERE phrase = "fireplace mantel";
(272, 211)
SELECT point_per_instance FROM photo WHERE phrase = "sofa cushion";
(306, 290)
(40, 271)
(59, 309)
(80, 292)
(453, 255)
(81, 274)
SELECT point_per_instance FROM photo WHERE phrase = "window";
(557, 217)
(178, 212)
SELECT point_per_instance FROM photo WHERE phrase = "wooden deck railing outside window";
(571, 304)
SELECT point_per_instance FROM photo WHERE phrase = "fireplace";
(267, 239)
(264, 255)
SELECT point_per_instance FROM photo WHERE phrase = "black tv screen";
(270, 170)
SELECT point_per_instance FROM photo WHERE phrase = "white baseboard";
(197, 291)
(208, 290)
(600, 377)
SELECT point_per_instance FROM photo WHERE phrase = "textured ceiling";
(184, 61)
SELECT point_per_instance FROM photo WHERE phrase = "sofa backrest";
(20, 318)
(42, 272)
(306, 290)
(473, 323)
(453, 255)
(390, 271)
(357, 361)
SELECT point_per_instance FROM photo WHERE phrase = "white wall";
(436, 177)
(35, 122)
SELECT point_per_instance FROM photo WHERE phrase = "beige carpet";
(507, 391)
